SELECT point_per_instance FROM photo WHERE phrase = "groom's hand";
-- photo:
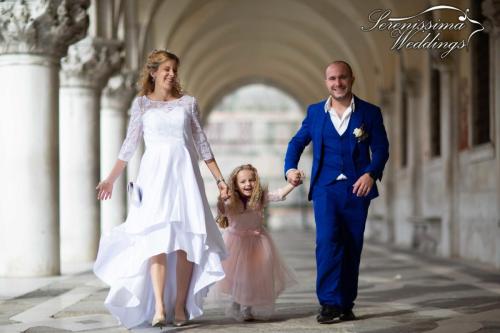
(363, 185)
(294, 177)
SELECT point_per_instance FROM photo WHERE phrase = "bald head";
(340, 63)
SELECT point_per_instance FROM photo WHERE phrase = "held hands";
(295, 177)
(363, 185)
(104, 190)
(223, 190)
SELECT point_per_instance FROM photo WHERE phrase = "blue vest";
(337, 157)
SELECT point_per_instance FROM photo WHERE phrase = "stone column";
(387, 106)
(133, 61)
(34, 35)
(115, 103)
(411, 83)
(449, 154)
(85, 71)
(491, 10)
(131, 35)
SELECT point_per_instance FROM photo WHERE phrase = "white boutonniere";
(359, 133)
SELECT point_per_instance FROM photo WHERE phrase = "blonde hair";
(146, 83)
(235, 203)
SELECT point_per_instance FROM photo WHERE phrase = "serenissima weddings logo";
(420, 32)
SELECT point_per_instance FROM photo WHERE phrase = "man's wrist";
(219, 180)
(372, 176)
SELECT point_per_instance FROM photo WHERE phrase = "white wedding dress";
(174, 214)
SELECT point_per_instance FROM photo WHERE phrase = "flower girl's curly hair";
(235, 204)
(146, 83)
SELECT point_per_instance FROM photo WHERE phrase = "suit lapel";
(320, 124)
(356, 121)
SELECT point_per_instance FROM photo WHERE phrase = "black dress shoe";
(347, 315)
(328, 314)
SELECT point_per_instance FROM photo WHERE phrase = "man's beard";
(341, 98)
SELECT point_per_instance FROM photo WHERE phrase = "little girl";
(255, 272)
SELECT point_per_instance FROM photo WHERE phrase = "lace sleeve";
(200, 139)
(275, 196)
(134, 132)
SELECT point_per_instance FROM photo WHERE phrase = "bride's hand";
(223, 190)
(104, 190)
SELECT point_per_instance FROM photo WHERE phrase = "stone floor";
(399, 292)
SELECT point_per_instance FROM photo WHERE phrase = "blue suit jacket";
(366, 116)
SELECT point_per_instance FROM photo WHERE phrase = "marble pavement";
(400, 292)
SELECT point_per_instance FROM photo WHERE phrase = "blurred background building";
(67, 78)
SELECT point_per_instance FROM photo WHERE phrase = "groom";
(343, 129)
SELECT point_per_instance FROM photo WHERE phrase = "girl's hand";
(104, 190)
(223, 190)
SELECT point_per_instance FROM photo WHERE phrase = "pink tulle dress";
(255, 272)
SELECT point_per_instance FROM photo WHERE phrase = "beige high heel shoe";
(183, 322)
(159, 321)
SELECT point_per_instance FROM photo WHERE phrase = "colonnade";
(67, 74)
(65, 94)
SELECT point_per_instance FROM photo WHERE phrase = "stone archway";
(263, 119)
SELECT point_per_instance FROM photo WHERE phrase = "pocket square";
(134, 194)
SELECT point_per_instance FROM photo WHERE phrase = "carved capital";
(436, 59)
(411, 80)
(443, 68)
(90, 62)
(120, 90)
(45, 27)
(491, 10)
(385, 97)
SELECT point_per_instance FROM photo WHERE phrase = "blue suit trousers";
(340, 223)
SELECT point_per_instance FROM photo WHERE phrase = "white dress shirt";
(340, 124)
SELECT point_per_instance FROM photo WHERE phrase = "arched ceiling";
(224, 44)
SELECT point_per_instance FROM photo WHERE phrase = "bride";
(160, 263)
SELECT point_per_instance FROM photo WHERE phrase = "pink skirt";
(255, 272)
